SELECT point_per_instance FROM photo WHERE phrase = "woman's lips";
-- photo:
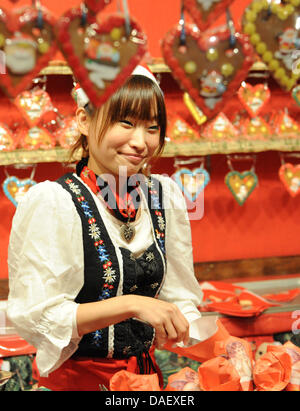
(133, 158)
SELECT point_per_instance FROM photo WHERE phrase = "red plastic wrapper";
(128, 381)
(184, 380)
(294, 353)
(239, 353)
(218, 374)
(272, 371)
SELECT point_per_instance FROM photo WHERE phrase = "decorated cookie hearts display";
(256, 128)
(296, 94)
(15, 189)
(7, 141)
(241, 185)
(220, 129)
(192, 182)
(254, 98)
(205, 12)
(180, 131)
(273, 30)
(101, 56)
(28, 41)
(33, 104)
(205, 66)
(68, 133)
(96, 6)
(36, 138)
(289, 174)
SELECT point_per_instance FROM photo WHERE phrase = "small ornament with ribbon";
(241, 184)
(191, 182)
(289, 174)
(15, 188)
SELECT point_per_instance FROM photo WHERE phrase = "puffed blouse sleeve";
(45, 263)
(181, 286)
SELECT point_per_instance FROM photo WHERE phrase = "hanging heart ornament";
(273, 30)
(241, 185)
(192, 182)
(289, 174)
(205, 12)
(205, 66)
(33, 104)
(27, 45)
(102, 56)
(15, 189)
(254, 98)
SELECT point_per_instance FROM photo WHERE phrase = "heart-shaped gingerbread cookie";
(273, 30)
(241, 185)
(37, 138)
(206, 66)
(192, 182)
(205, 12)
(68, 134)
(95, 6)
(289, 174)
(15, 189)
(33, 104)
(254, 98)
(180, 131)
(102, 56)
(255, 128)
(28, 46)
(220, 129)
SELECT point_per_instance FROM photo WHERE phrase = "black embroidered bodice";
(106, 275)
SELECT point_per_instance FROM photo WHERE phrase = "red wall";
(267, 225)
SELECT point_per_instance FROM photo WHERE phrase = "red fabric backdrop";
(267, 225)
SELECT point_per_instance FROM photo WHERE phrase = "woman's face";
(125, 147)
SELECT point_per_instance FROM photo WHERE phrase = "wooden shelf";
(199, 148)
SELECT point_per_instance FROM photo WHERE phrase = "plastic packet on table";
(128, 381)
(184, 380)
(218, 374)
(294, 353)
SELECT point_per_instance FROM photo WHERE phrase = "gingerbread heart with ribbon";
(289, 174)
(256, 128)
(102, 56)
(68, 133)
(96, 6)
(207, 66)
(7, 141)
(192, 182)
(241, 185)
(254, 98)
(220, 129)
(28, 42)
(205, 12)
(15, 189)
(180, 131)
(33, 104)
(273, 30)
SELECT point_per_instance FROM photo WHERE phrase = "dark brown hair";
(139, 98)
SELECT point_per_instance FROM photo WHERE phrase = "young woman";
(100, 261)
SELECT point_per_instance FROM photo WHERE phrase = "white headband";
(82, 99)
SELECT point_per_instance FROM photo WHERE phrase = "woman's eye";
(153, 128)
(126, 123)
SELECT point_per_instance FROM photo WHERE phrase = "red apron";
(90, 374)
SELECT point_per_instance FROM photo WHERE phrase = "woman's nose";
(138, 138)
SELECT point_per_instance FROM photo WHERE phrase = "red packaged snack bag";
(239, 353)
(128, 381)
(294, 353)
(218, 374)
(184, 380)
(272, 371)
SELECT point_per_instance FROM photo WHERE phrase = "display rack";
(199, 148)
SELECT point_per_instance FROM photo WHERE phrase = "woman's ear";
(83, 121)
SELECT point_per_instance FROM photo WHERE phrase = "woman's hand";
(166, 318)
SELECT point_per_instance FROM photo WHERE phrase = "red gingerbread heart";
(101, 56)
(290, 177)
(254, 98)
(206, 66)
(26, 47)
(205, 12)
(95, 6)
(33, 104)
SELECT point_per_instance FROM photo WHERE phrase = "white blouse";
(46, 266)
